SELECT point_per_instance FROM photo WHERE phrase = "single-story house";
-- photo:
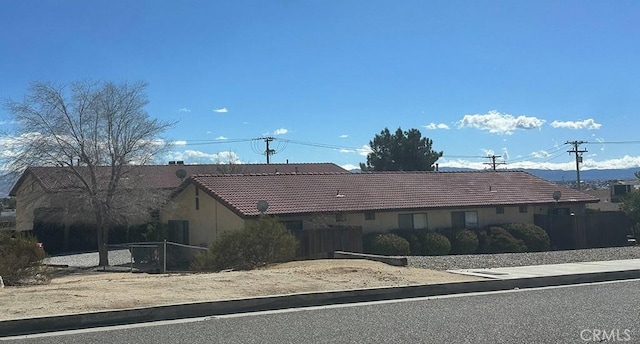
(37, 187)
(205, 205)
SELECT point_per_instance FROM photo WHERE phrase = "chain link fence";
(158, 257)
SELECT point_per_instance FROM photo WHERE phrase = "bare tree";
(97, 133)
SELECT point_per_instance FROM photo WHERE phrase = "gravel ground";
(87, 260)
(485, 261)
(477, 261)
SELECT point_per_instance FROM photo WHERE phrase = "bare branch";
(96, 133)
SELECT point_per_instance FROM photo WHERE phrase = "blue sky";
(516, 79)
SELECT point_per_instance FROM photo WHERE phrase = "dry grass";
(98, 291)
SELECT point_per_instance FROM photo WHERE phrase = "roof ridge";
(267, 174)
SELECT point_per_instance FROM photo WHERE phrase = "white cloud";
(568, 165)
(221, 138)
(540, 154)
(199, 157)
(350, 167)
(505, 153)
(364, 150)
(184, 110)
(179, 143)
(488, 152)
(434, 126)
(221, 110)
(499, 123)
(589, 124)
(280, 131)
(344, 136)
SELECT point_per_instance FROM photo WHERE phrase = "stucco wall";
(436, 219)
(29, 197)
(206, 222)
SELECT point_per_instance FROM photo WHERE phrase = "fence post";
(130, 257)
(164, 258)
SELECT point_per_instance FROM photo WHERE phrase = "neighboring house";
(206, 205)
(38, 186)
(612, 197)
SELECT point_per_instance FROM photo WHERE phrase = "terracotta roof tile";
(164, 176)
(337, 192)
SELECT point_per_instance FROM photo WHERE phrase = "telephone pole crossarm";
(493, 162)
(268, 152)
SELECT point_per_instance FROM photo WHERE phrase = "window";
(464, 219)
(369, 215)
(178, 231)
(341, 217)
(523, 209)
(412, 221)
(559, 211)
(197, 203)
(499, 210)
(293, 226)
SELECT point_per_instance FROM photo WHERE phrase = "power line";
(493, 162)
(211, 142)
(612, 142)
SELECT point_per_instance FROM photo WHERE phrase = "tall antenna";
(578, 154)
(493, 162)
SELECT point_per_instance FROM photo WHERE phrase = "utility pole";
(268, 152)
(493, 162)
(578, 154)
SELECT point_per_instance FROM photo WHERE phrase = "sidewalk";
(553, 269)
(497, 279)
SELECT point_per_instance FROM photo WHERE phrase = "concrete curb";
(193, 310)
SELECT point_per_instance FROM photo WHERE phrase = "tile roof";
(164, 176)
(338, 192)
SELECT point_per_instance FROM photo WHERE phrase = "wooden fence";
(323, 241)
(600, 229)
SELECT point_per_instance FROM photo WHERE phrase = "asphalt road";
(572, 314)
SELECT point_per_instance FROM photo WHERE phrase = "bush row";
(516, 237)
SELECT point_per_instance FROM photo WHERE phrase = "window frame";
(369, 215)
(413, 221)
(463, 215)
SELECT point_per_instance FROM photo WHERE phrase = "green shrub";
(412, 237)
(387, 244)
(465, 242)
(21, 259)
(259, 243)
(435, 244)
(500, 241)
(483, 236)
(534, 237)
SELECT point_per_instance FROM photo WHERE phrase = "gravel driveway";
(87, 260)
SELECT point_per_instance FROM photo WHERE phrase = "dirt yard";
(97, 291)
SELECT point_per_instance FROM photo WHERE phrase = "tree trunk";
(103, 240)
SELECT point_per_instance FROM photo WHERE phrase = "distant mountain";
(560, 175)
